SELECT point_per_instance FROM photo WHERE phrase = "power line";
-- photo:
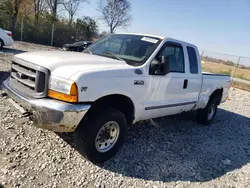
(224, 54)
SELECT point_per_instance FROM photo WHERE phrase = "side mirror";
(165, 64)
(159, 66)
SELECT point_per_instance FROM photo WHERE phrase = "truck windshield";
(133, 49)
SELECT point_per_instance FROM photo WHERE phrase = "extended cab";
(119, 80)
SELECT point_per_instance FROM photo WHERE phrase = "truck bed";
(214, 74)
(213, 81)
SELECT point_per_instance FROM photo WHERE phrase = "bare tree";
(19, 7)
(52, 6)
(115, 13)
(102, 34)
(71, 7)
(39, 6)
(16, 5)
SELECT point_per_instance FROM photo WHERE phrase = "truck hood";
(65, 64)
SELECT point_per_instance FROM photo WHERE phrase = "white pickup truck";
(119, 80)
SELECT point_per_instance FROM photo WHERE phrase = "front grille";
(28, 78)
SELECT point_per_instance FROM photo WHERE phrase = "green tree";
(87, 28)
(6, 8)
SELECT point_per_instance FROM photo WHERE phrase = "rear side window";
(193, 63)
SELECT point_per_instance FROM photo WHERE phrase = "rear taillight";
(9, 34)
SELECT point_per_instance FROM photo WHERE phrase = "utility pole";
(22, 29)
(52, 33)
(236, 66)
(235, 69)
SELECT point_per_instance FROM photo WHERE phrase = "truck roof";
(160, 37)
(143, 34)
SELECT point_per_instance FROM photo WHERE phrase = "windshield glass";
(134, 49)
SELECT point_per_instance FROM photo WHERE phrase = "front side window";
(175, 55)
(134, 49)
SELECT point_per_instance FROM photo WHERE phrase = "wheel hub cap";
(211, 112)
(107, 136)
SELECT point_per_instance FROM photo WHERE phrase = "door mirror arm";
(165, 64)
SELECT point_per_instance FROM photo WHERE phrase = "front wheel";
(205, 116)
(100, 137)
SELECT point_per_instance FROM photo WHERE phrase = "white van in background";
(5, 38)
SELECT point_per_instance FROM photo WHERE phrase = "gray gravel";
(20, 46)
(165, 152)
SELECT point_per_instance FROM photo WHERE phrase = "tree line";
(53, 21)
(229, 63)
(215, 60)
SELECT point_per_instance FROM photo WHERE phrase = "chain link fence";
(236, 66)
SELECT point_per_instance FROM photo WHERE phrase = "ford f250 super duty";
(117, 81)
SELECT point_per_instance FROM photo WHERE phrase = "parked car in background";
(77, 46)
(5, 38)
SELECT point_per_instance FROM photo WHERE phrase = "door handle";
(185, 84)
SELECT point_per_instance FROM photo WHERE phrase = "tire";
(206, 116)
(1, 44)
(91, 145)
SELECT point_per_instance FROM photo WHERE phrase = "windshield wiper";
(87, 50)
(113, 55)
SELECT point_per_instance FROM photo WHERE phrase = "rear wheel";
(1, 44)
(206, 115)
(100, 137)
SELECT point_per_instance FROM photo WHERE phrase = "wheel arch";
(2, 41)
(118, 101)
(217, 93)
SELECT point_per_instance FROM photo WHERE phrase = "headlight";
(62, 89)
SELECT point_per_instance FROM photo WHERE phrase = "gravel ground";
(166, 152)
(20, 46)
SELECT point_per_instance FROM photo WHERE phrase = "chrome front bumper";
(47, 113)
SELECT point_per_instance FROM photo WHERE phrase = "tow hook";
(26, 114)
(3, 94)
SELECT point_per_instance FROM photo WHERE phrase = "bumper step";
(17, 106)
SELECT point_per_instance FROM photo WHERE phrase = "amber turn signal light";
(71, 97)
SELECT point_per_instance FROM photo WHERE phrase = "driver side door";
(166, 92)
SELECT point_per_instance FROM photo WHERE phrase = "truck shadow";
(178, 149)
(10, 51)
(3, 76)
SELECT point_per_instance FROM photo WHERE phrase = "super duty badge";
(138, 82)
